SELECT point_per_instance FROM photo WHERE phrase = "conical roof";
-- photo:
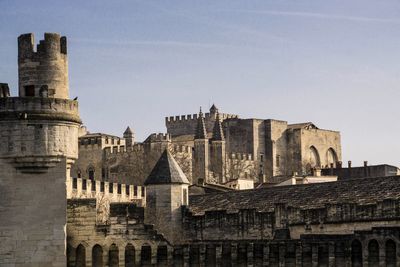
(166, 171)
(218, 133)
(128, 131)
(201, 132)
(213, 109)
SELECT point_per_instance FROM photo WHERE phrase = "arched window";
(162, 255)
(391, 260)
(226, 255)
(80, 256)
(210, 255)
(290, 255)
(97, 256)
(331, 157)
(274, 255)
(356, 254)
(340, 254)
(194, 256)
(323, 256)
(373, 253)
(91, 173)
(129, 255)
(314, 157)
(145, 255)
(113, 256)
(242, 254)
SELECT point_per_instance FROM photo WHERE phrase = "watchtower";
(43, 72)
(39, 142)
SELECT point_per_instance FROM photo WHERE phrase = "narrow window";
(111, 188)
(74, 183)
(101, 186)
(135, 190)
(93, 185)
(29, 90)
(119, 189)
(143, 191)
(84, 184)
(127, 190)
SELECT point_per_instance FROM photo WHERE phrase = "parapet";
(241, 156)
(4, 90)
(158, 137)
(52, 45)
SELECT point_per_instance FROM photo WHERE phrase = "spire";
(128, 132)
(213, 109)
(166, 171)
(218, 133)
(201, 132)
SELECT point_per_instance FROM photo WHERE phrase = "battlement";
(123, 149)
(240, 156)
(27, 108)
(181, 149)
(158, 137)
(79, 188)
(192, 117)
(50, 46)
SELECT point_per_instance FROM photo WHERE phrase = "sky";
(335, 63)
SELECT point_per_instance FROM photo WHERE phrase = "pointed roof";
(218, 133)
(166, 171)
(213, 109)
(201, 132)
(128, 131)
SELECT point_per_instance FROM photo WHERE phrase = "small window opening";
(29, 90)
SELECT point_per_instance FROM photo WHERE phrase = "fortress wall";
(32, 212)
(124, 226)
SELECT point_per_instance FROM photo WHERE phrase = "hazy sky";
(335, 63)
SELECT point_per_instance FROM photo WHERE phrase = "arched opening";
(129, 255)
(80, 256)
(373, 253)
(210, 255)
(178, 257)
(390, 252)
(162, 255)
(290, 255)
(97, 256)
(356, 254)
(314, 159)
(194, 256)
(323, 255)
(70, 256)
(145, 255)
(226, 255)
(91, 173)
(340, 254)
(113, 256)
(258, 252)
(307, 255)
(274, 255)
(331, 157)
(242, 254)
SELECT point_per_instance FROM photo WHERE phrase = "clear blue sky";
(335, 63)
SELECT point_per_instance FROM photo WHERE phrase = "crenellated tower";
(39, 137)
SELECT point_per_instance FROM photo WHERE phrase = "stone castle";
(73, 198)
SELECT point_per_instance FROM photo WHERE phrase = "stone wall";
(33, 216)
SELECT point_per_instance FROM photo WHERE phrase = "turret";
(39, 142)
(217, 151)
(44, 72)
(166, 193)
(129, 137)
(201, 153)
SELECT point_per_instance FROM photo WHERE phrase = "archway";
(194, 255)
(390, 251)
(210, 255)
(373, 253)
(162, 255)
(80, 256)
(113, 256)
(129, 255)
(314, 157)
(356, 254)
(331, 157)
(145, 255)
(97, 256)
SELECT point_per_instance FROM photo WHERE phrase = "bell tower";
(39, 137)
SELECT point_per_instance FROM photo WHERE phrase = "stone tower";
(129, 137)
(39, 137)
(217, 152)
(166, 191)
(201, 153)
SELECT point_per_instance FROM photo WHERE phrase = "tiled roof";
(306, 196)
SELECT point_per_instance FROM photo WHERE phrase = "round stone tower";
(39, 142)
(43, 72)
(41, 125)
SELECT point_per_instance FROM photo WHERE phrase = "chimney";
(349, 163)
(339, 165)
(366, 169)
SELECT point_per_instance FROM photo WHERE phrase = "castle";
(70, 198)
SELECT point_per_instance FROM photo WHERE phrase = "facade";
(177, 206)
